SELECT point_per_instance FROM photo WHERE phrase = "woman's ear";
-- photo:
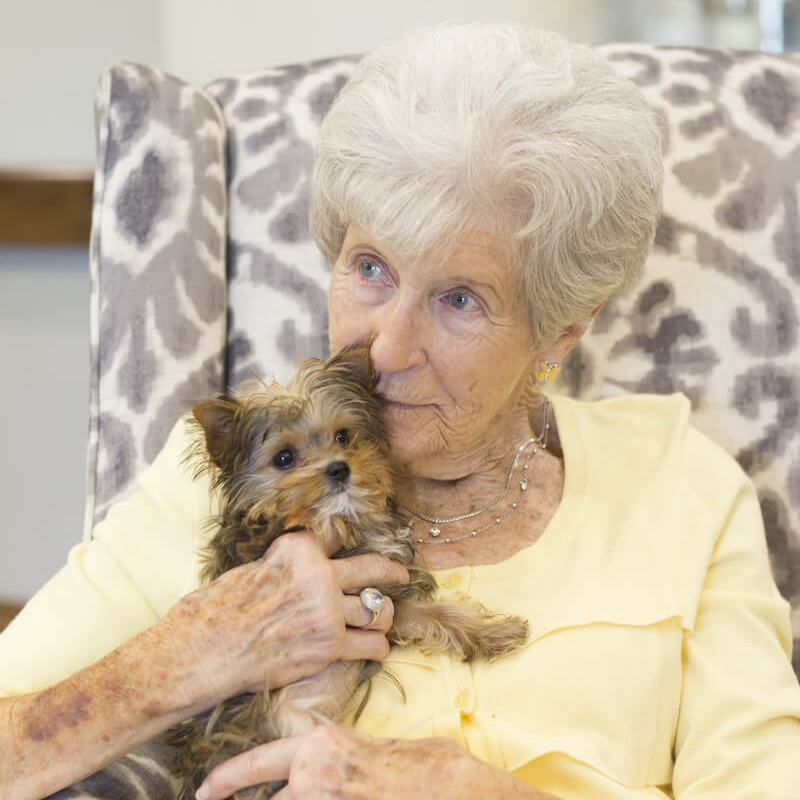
(561, 348)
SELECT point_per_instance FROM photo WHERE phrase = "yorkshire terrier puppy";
(313, 455)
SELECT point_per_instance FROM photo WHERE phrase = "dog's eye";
(342, 437)
(284, 459)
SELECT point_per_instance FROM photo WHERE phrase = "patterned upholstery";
(175, 319)
(157, 268)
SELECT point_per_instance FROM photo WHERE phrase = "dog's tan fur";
(271, 451)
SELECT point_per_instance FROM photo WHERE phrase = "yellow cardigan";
(658, 662)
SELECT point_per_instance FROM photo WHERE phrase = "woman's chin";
(410, 433)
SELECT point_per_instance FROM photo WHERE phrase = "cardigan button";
(452, 581)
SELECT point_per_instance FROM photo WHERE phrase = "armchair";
(204, 274)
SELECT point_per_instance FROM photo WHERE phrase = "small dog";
(314, 455)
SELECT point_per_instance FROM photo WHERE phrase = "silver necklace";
(535, 443)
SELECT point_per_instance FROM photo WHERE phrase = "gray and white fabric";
(157, 269)
(716, 313)
(204, 274)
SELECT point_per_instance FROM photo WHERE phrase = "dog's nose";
(338, 471)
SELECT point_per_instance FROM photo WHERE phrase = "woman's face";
(452, 347)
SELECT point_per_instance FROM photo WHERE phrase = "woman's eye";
(369, 269)
(284, 459)
(342, 437)
(461, 301)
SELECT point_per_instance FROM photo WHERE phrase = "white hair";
(522, 134)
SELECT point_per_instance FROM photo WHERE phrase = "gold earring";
(548, 371)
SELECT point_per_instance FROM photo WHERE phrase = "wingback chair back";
(204, 274)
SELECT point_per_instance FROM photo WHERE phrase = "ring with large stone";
(373, 601)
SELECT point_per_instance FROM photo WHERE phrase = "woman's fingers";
(360, 645)
(369, 569)
(268, 762)
(357, 615)
(337, 763)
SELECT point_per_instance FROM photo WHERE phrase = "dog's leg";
(466, 630)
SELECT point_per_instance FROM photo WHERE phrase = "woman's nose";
(398, 339)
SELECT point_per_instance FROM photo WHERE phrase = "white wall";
(43, 412)
(51, 54)
(207, 38)
(204, 39)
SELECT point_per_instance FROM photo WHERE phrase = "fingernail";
(202, 793)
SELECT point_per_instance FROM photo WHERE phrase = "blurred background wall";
(51, 54)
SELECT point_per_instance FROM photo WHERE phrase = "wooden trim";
(45, 206)
(7, 613)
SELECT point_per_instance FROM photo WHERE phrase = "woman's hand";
(277, 620)
(333, 763)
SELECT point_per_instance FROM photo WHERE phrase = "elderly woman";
(481, 192)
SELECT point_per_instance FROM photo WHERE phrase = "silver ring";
(373, 601)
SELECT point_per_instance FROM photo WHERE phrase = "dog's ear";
(356, 361)
(217, 417)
